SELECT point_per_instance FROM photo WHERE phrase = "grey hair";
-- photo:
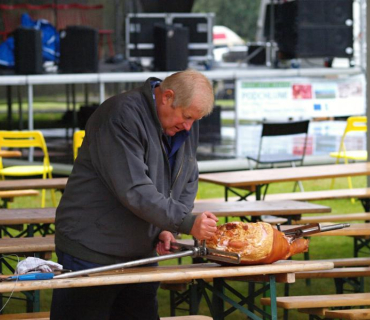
(188, 85)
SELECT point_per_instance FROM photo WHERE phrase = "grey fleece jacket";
(121, 193)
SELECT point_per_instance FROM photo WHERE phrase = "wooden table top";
(264, 176)
(27, 216)
(20, 184)
(167, 273)
(356, 229)
(258, 208)
(222, 209)
(10, 154)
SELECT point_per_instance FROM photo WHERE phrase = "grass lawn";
(320, 248)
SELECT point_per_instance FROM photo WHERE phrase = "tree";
(238, 15)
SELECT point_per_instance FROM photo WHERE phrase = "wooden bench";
(8, 196)
(25, 316)
(188, 318)
(354, 314)
(364, 216)
(46, 316)
(359, 193)
(320, 301)
(41, 245)
(349, 262)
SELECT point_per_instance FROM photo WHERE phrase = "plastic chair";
(27, 139)
(78, 137)
(354, 124)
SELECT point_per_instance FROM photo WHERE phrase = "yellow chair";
(78, 137)
(27, 139)
(354, 124)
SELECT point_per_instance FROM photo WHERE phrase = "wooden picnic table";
(183, 272)
(20, 184)
(225, 209)
(258, 208)
(256, 179)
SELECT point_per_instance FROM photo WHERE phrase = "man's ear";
(168, 96)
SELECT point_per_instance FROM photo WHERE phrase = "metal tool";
(313, 228)
(182, 251)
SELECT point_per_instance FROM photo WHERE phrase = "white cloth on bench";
(32, 264)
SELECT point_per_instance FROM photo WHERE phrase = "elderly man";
(132, 187)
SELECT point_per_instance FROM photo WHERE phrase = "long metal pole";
(129, 264)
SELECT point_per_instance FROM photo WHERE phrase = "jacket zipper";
(178, 173)
(168, 162)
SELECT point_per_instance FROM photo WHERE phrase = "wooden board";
(19, 184)
(23, 245)
(353, 314)
(10, 154)
(258, 208)
(163, 273)
(264, 176)
(27, 216)
(321, 301)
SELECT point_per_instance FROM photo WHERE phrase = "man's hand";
(204, 226)
(164, 244)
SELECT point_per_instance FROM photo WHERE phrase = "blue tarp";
(50, 41)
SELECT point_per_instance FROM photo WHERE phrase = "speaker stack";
(28, 51)
(171, 50)
(314, 28)
(79, 50)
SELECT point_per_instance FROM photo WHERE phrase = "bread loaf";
(257, 243)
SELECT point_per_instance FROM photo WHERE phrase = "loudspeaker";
(256, 53)
(171, 6)
(171, 48)
(210, 127)
(28, 51)
(79, 50)
(315, 28)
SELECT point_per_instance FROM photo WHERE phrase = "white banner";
(300, 98)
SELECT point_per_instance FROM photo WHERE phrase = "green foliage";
(238, 15)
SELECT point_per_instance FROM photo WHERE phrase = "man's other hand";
(204, 226)
(164, 244)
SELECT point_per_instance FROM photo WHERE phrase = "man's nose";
(187, 124)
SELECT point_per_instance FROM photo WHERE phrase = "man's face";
(177, 119)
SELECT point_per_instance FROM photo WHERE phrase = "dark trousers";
(112, 302)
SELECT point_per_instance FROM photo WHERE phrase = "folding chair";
(354, 124)
(27, 139)
(271, 131)
(78, 137)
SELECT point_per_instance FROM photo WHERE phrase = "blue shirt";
(172, 144)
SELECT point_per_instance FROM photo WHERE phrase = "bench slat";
(348, 262)
(333, 218)
(188, 318)
(26, 245)
(335, 273)
(353, 314)
(321, 301)
(359, 193)
(25, 316)
(18, 193)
